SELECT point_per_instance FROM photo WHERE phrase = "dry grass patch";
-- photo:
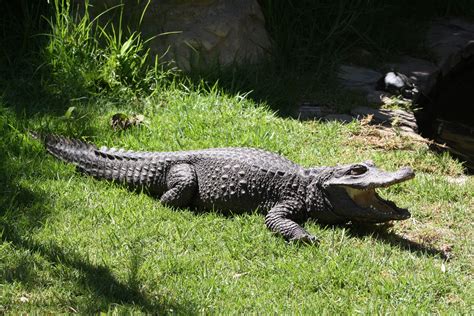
(385, 138)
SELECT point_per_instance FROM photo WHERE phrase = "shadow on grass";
(280, 87)
(381, 233)
(98, 279)
(22, 212)
(25, 207)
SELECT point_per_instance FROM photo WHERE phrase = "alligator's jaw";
(369, 199)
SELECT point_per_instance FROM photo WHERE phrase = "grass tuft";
(85, 58)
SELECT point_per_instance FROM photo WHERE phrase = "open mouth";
(370, 199)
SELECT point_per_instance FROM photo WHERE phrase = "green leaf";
(69, 112)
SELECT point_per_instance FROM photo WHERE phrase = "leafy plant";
(86, 57)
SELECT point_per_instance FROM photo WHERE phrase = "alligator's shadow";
(379, 232)
(384, 234)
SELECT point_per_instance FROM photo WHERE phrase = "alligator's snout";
(353, 192)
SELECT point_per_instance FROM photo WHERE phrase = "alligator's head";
(352, 192)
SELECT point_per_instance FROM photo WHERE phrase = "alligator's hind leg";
(181, 185)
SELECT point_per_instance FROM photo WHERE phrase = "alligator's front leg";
(278, 220)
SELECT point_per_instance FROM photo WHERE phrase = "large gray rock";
(446, 37)
(222, 31)
(419, 70)
(198, 31)
(309, 111)
(358, 78)
(363, 80)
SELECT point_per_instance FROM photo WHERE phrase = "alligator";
(240, 180)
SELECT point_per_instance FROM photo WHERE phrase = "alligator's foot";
(305, 239)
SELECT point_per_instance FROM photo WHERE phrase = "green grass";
(70, 243)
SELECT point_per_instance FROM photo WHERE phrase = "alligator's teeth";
(368, 198)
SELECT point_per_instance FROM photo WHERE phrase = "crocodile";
(240, 180)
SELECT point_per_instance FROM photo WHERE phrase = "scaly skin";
(228, 179)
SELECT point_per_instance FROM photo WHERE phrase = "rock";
(210, 31)
(377, 97)
(459, 139)
(363, 80)
(358, 78)
(448, 93)
(448, 36)
(198, 32)
(459, 60)
(444, 111)
(417, 69)
(308, 111)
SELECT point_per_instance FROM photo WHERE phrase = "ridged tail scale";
(134, 168)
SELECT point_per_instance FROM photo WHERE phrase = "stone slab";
(448, 36)
(312, 111)
(417, 69)
(358, 78)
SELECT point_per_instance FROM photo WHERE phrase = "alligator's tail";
(134, 168)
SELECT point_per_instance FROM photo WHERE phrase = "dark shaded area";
(25, 92)
(98, 279)
(20, 23)
(452, 98)
(383, 27)
(23, 74)
(446, 112)
(383, 234)
(24, 211)
(449, 99)
(311, 38)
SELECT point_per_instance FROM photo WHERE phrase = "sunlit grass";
(74, 243)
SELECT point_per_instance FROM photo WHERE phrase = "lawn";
(70, 243)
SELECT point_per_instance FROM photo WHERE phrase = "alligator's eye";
(357, 170)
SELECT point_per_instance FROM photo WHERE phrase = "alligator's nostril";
(408, 172)
(370, 163)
